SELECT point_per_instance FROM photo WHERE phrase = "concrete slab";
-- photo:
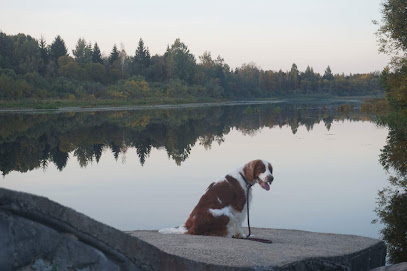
(290, 250)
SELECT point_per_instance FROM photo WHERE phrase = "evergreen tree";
(96, 55)
(308, 72)
(309, 81)
(82, 52)
(141, 59)
(114, 55)
(142, 54)
(58, 48)
(44, 52)
(328, 74)
(294, 77)
(148, 57)
(140, 51)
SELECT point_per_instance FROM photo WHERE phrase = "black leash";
(248, 186)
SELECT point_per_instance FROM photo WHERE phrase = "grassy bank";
(89, 103)
(324, 97)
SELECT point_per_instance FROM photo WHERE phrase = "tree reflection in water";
(392, 200)
(29, 141)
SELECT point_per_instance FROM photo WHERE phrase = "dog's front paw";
(239, 235)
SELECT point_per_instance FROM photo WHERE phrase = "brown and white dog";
(222, 209)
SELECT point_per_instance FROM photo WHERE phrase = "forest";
(33, 69)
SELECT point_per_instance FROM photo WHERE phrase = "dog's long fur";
(222, 209)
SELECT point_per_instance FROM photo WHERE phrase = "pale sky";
(272, 33)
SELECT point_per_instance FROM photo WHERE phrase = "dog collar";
(248, 184)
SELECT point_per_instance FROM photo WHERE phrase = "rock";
(35, 231)
(38, 234)
(290, 250)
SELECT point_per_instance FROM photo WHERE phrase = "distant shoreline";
(60, 106)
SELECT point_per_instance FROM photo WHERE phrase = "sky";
(274, 34)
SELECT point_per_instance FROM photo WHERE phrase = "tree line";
(31, 68)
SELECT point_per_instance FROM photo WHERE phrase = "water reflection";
(30, 141)
(392, 200)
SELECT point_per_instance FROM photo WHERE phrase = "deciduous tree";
(392, 32)
(68, 68)
(392, 35)
(6, 51)
(180, 62)
(26, 54)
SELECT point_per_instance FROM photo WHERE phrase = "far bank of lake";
(111, 104)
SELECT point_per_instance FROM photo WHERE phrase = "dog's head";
(259, 171)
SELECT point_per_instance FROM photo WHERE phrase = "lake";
(147, 168)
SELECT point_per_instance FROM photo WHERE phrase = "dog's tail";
(177, 230)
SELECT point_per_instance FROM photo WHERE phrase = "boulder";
(39, 234)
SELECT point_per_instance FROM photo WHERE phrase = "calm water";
(146, 169)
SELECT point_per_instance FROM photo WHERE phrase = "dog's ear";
(249, 170)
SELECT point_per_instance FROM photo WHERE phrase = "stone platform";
(39, 234)
(290, 250)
